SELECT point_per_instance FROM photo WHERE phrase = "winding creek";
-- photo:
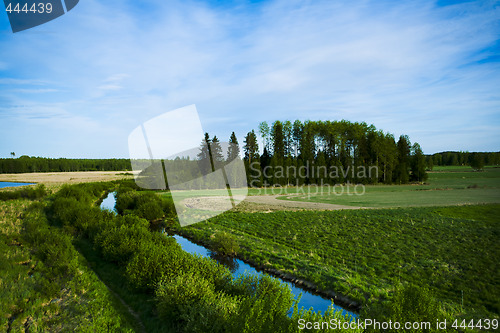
(238, 267)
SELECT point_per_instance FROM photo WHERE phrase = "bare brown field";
(58, 178)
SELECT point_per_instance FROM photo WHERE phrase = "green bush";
(153, 262)
(147, 205)
(119, 243)
(151, 210)
(26, 192)
(194, 305)
(265, 307)
(77, 192)
(224, 243)
(53, 248)
(410, 304)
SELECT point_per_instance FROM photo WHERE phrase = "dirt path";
(272, 200)
(220, 203)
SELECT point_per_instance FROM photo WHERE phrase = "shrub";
(119, 243)
(150, 210)
(153, 262)
(53, 248)
(147, 205)
(265, 304)
(75, 192)
(408, 304)
(31, 193)
(210, 270)
(224, 243)
(193, 304)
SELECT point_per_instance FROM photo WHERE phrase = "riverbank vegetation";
(67, 264)
(46, 284)
(366, 254)
(25, 192)
(186, 291)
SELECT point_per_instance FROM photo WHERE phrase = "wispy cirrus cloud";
(420, 68)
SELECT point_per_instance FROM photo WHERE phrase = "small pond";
(12, 184)
(109, 202)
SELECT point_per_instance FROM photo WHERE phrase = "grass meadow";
(442, 235)
(445, 186)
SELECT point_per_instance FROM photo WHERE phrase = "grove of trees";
(330, 152)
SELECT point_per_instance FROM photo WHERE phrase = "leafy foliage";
(224, 243)
(410, 304)
(31, 193)
(146, 205)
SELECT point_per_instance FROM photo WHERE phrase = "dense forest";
(455, 158)
(25, 164)
(330, 152)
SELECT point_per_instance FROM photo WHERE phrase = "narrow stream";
(237, 267)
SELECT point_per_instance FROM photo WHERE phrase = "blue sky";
(77, 86)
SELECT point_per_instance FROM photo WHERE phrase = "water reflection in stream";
(239, 267)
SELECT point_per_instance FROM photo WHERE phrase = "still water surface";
(11, 184)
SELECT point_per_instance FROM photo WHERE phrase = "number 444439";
(485, 324)
(39, 8)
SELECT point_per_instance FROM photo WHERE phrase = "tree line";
(26, 164)
(476, 160)
(330, 152)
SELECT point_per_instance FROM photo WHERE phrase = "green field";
(446, 186)
(364, 254)
(67, 265)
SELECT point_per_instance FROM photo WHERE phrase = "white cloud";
(404, 66)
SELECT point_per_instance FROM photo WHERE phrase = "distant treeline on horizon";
(340, 143)
(27, 164)
(457, 158)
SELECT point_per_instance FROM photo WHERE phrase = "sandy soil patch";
(57, 178)
(257, 203)
(272, 200)
(212, 203)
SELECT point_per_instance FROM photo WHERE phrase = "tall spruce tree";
(217, 155)
(418, 172)
(251, 147)
(205, 156)
(233, 151)
(251, 160)
(403, 165)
